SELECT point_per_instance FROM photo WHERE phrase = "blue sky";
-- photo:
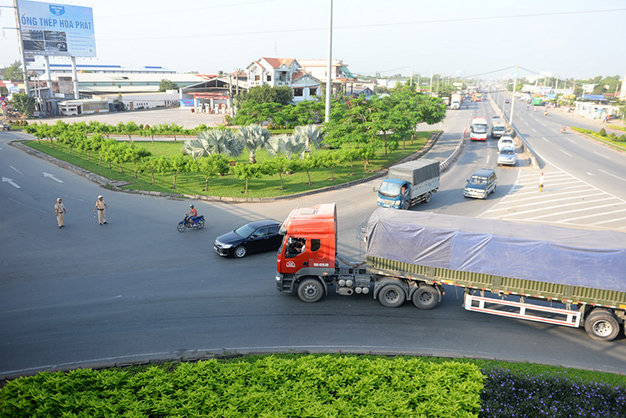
(393, 36)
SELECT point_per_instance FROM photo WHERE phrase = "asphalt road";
(137, 289)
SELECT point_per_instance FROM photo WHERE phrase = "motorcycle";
(198, 223)
(563, 129)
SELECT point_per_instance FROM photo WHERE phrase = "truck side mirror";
(375, 189)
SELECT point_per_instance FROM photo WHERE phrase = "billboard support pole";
(75, 78)
(19, 41)
(46, 60)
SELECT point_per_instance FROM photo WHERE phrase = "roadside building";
(283, 72)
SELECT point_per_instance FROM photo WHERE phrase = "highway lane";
(585, 181)
(137, 289)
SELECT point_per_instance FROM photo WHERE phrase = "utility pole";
(21, 45)
(513, 97)
(329, 68)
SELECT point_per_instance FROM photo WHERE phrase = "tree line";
(357, 130)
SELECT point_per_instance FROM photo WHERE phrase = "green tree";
(179, 164)
(330, 159)
(136, 155)
(14, 72)
(247, 171)
(267, 94)
(166, 84)
(23, 104)
(149, 164)
(162, 165)
(213, 165)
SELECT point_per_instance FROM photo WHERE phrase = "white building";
(283, 72)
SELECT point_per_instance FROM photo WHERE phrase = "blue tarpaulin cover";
(586, 258)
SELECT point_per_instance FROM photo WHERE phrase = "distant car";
(506, 101)
(507, 156)
(481, 184)
(253, 237)
(505, 142)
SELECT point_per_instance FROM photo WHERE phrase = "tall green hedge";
(266, 386)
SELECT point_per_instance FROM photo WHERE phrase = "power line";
(178, 11)
(370, 25)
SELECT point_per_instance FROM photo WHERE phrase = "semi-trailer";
(506, 268)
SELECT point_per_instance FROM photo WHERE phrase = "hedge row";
(268, 386)
(309, 385)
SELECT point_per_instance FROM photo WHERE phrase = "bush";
(510, 394)
(602, 132)
(322, 385)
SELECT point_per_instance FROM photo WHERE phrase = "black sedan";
(253, 237)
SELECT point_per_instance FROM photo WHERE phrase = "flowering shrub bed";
(514, 394)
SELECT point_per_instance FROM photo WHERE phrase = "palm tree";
(308, 135)
(214, 141)
(255, 137)
(284, 145)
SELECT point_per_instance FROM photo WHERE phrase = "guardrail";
(535, 159)
(457, 151)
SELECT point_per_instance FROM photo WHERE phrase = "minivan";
(481, 184)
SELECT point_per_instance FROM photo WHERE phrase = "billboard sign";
(57, 29)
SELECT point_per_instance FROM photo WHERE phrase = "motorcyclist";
(190, 217)
(563, 129)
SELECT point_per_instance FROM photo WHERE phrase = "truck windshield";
(498, 128)
(389, 189)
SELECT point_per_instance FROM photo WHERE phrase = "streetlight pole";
(513, 96)
(329, 68)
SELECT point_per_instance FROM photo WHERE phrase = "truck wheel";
(429, 195)
(391, 296)
(310, 291)
(426, 297)
(601, 326)
(405, 205)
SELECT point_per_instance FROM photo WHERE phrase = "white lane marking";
(589, 174)
(611, 174)
(511, 205)
(566, 153)
(539, 207)
(592, 215)
(16, 170)
(572, 211)
(608, 221)
(533, 129)
(601, 155)
(590, 185)
(11, 182)
(52, 177)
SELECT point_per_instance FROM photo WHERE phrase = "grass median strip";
(227, 185)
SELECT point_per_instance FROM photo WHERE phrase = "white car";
(505, 142)
(507, 156)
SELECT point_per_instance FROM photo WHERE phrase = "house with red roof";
(283, 72)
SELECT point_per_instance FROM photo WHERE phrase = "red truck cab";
(310, 239)
(307, 255)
